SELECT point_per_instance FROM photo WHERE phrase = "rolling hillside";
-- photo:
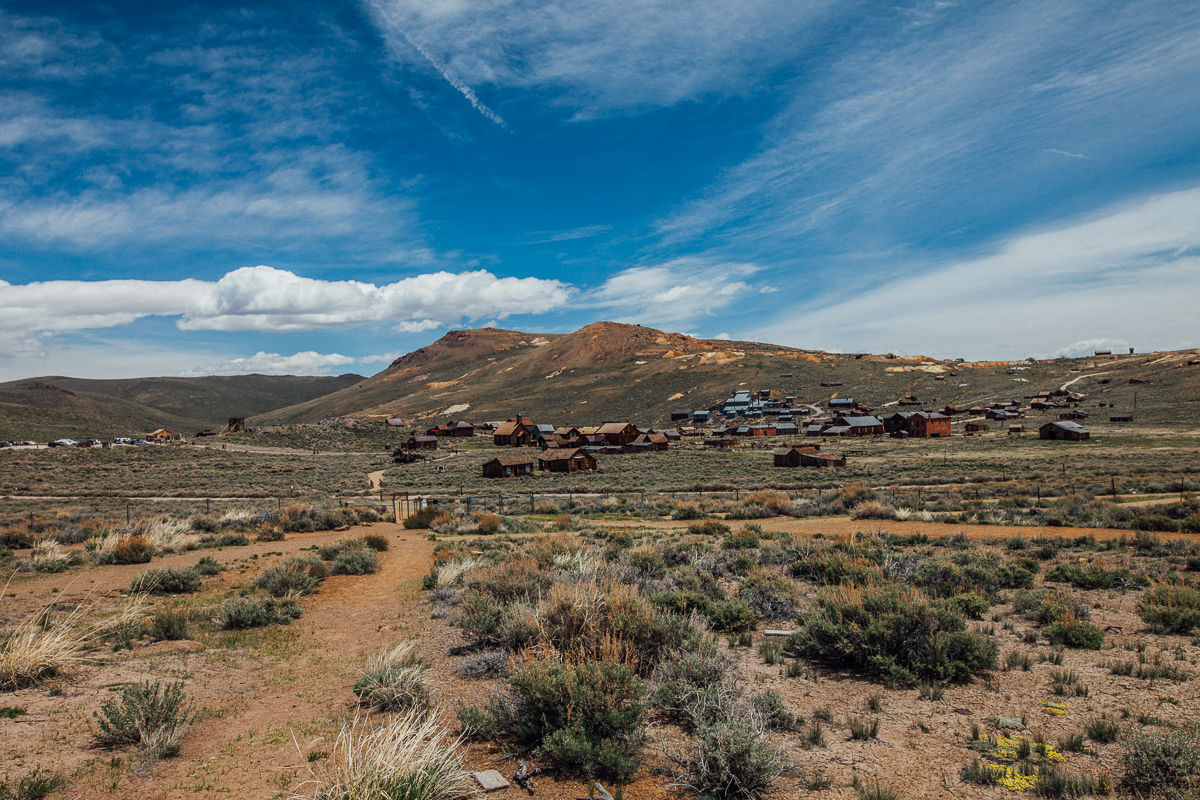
(614, 371)
(55, 407)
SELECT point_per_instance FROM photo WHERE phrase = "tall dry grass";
(40, 646)
(409, 757)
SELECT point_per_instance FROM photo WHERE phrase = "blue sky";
(299, 188)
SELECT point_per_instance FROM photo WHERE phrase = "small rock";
(966, 711)
(490, 780)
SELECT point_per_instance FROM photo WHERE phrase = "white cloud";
(267, 299)
(306, 363)
(1124, 276)
(907, 127)
(672, 293)
(602, 55)
(723, 337)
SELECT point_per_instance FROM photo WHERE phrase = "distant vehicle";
(123, 440)
(142, 442)
(63, 443)
(89, 443)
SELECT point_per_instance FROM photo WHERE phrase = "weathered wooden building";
(421, 443)
(572, 460)
(790, 456)
(1064, 430)
(508, 467)
(512, 434)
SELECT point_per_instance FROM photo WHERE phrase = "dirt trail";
(256, 690)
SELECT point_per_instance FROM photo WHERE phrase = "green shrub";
(728, 756)
(585, 715)
(970, 604)
(730, 616)
(682, 673)
(151, 715)
(208, 566)
(515, 579)
(687, 511)
(1161, 763)
(894, 632)
(355, 561)
(741, 541)
(1171, 607)
(167, 581)
(863, 729)
(1071, 631)
(254, 612)
(708, 527)
(170, 624)
(648, 562)
(294, 576)
(231, 540)
(775, 714)
(769, 594)
(1012, 576)
(376, 541)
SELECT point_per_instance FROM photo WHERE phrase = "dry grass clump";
(873, 509)
(394, 680)
(452, 572)
(546, 549)
(167, 535)
(40, 647)
(47, 556)
(409, 757)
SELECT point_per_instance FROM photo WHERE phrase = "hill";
(613, 371)
(55, 407)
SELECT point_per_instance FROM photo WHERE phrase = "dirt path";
(257, 689)
(1063, 388)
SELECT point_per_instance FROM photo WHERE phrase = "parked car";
(122, 440)
(63, 443)
(142, 442)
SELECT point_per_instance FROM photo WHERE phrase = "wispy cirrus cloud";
(603, 56)
(1058, 291)
(970, 119)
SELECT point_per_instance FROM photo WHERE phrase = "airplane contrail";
(455, 81)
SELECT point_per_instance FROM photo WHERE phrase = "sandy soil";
(273, 697)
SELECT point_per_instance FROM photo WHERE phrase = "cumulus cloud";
(306, 363)
(272, 300)
(675, 292)
(1128, 277)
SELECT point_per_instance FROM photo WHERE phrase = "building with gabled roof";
(1064, 430)
(567, 460)
(508, 467)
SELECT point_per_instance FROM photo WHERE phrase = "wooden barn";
(421, 443)
(654, 441)
(821, 460)
(977, 427)
(1014, 429)
(508, 467)
(1120, 417)
(512, 434)
(618, 433)
(1063, 430)
(790, 456)
(572, 460)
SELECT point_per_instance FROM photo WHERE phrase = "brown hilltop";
(609, 370)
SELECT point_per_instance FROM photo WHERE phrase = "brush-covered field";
(707, 647)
